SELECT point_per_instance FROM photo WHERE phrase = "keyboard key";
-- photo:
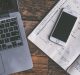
(7, 34)
(16, 28)
(1, 31)
(3, 36)
(4, 46)
(20, 44)
(3, 21)
(15, 38)
(14, 33)
(6, 40)
(8, 20)
(5, 30)
(14, 44)
(13, 23)
(11, 29)
(9, 46)
(1, 41)
(1, 26)
(7, 25)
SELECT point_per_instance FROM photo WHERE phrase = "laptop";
(14, 51)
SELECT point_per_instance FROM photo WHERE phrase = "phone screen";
(64, 26)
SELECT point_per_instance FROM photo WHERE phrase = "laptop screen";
(8, 6)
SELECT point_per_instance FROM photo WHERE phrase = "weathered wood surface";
(33, 11)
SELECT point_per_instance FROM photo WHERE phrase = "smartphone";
(63, 26)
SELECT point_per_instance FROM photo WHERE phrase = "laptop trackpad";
(1, 66)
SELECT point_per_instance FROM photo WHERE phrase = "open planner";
(68, 56)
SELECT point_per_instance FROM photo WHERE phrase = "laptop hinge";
(4, 15)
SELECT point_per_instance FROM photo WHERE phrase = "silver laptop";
(14, 51)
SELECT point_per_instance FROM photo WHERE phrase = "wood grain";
(33, 11)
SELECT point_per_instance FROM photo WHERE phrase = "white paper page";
(74, 69)
(66, 56)
(40, 37)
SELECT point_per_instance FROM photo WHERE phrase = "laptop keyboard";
(10, 36)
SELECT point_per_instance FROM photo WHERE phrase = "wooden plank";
(35, 9)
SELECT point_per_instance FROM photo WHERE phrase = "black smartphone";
(63, 26)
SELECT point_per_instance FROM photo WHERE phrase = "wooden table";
(33, 11)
